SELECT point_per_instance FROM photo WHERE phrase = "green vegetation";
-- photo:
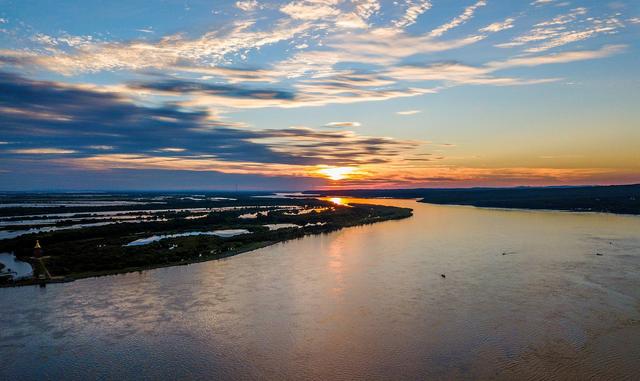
(91, 251)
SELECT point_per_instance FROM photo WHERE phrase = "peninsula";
(83, 236)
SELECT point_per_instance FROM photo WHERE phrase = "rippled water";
(525, 297)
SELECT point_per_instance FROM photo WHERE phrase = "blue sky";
(318, 93)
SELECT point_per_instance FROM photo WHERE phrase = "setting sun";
(337, 173)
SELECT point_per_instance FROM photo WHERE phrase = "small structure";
(37, 250)
(40, 269)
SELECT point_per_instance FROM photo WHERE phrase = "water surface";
(525, 297)
(226, 233)
(18, 268)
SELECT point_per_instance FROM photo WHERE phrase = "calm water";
(18, 268)
(219, 233)
(362, 303)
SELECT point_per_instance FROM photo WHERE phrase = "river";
(525, 296)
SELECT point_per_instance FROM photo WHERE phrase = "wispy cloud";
(329, 11)
(564, 29)
(408, 112)
(318, 75)
(343, 124)
(171, 149)
(248, 5)
(499, 26)
(558, 58)
(42, 151)
(542, 2)
(311, 9)
(212, 48)
(414, 9)
(459, 20)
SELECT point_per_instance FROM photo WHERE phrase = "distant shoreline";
(615, 199)
(521, 209)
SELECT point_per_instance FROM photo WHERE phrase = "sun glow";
(337, 173)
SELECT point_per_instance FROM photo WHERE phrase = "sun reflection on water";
(337, 200)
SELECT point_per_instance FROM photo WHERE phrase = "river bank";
(616, 199)
(90, 252)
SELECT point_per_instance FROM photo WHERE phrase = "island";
(67, 237)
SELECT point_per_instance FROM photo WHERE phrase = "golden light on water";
(337, 173)
(338, 200)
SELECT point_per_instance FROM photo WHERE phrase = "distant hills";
(624, 199)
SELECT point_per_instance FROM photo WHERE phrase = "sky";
(318, 94)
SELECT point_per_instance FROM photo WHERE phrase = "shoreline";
(524, 209)
(97, 274)
(247, 248)
(613, 199)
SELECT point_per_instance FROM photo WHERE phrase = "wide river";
(525, 297)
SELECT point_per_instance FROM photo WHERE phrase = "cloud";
(366, 8)
(68, 55)
(415, 8)
(343, 124)
(566, 18)
(557, 32)
(42, 151)
(176, 86)
(327, 85)
(345, 88)
(456, 73)
(459, 20)
(310, 9)
(498, 26)
(542, 2)
(133, 134)
(338, 65)
(172, 109)
(321, 12)
(248, 5)
(558, 58)
(231, 74)
(388, 46)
